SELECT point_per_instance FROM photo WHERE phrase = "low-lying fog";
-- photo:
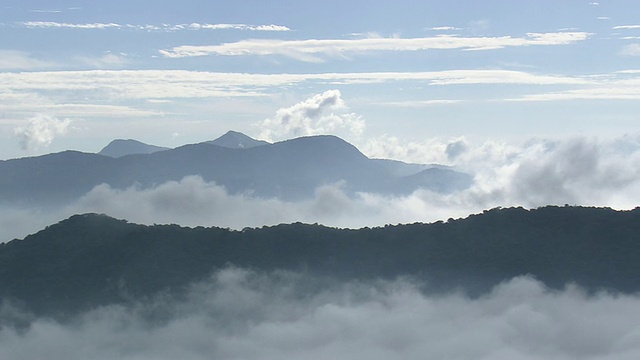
(240, 314)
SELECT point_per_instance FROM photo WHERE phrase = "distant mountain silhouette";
(237, 140)
(290, 169)
(120, 147)
(91, 260)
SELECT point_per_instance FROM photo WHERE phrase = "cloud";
(418, 103)
(105, 61)
(240, 314)
(20, 60)
(631, 50)
(314, 50)
(310, 117)
(575, 171)
(626, 27)
(51, 24)
(456, 148)
(444, 28)
(148, 27)
(41, 131)
(125, 85)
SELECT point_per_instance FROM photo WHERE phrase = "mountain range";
(289, 170)
(93, 260)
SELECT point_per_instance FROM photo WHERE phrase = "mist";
(240, 314)
(575, 171)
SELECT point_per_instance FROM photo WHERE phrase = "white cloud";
(310, 117)
(20, 60)
(166, 84)
(444, 28)
(314, 50)
(51, 24)
(418, 103)
(196, 26)
(149, 27)
(626, 27)
(240, 314)
(41, 131)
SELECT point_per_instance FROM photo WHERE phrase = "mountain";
(120, 147)
(290, 170)
(237, 140)
(92, 260)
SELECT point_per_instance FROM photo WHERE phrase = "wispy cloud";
(631, 50)
(106, 61)
(20, 60)
(148, 27)
(51, 24)
(110, 92)
(419, 103)
(315, 50)
(626, 27)
(444, 28)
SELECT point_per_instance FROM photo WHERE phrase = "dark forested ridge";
(91, 260)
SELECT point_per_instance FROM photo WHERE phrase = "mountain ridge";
(103, 261)
(290, 170)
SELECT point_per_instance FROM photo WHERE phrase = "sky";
(537, 100)
(399, 79)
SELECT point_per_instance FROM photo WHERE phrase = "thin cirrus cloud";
(21, 60)
(124, 85)
(313, 50)
(185, 84)
(622, 27)
(148, 27)
(444, 28)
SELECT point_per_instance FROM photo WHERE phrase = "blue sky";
(388, 76)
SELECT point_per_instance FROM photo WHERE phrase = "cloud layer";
(239, 314)
(313, 50)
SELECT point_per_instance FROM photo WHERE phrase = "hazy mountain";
(91, 260)
(120, 147)
(237, 140)
(290, 169)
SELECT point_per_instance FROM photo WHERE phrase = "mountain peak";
(121, 147)
(237, 140)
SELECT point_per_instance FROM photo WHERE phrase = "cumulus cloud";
(314, 50)
(41, 131)
(240, 314)
(311, 117)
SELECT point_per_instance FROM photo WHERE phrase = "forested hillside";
(91, 260)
